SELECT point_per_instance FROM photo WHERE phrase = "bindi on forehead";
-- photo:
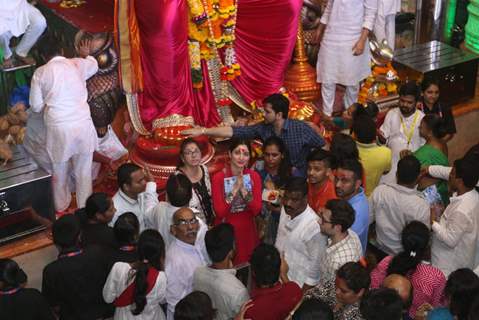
(243, 149)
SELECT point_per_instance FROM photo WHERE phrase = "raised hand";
(84, 48)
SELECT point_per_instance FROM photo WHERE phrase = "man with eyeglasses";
(335, 221)
(186, 253)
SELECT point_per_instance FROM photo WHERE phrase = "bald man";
(404, 287)
(186, 253)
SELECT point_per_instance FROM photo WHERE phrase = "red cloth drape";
(265, 32)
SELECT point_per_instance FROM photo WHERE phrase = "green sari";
(428, 156)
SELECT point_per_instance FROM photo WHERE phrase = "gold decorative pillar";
(301, 76)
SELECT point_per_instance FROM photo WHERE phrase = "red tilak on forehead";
(243, 149)
(341, 176)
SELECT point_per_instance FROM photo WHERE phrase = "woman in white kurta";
(151, 253)
(344, 56)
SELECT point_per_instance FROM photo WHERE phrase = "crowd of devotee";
(339, 239)
(375, 224)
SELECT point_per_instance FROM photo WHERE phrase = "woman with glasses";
(237, 198)
(190, 165)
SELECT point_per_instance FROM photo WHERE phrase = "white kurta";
(455, 236)
(396, 138)
(145, 202)
(181, 261)
(344, 20)
(302, 243)
(119, 279)
(14, 16)
(59, 90)
(34, 141)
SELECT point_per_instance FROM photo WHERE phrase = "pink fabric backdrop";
(265, 37)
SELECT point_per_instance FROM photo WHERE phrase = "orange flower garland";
(212, 24)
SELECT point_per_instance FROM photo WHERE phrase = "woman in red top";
(236, 193)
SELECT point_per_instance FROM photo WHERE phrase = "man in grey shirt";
(219, 279)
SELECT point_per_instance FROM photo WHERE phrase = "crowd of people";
(376, 224)
(308, 231)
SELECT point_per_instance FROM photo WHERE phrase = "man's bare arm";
(217, 132)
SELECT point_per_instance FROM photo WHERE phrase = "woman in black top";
(430, 103)
(16, 301)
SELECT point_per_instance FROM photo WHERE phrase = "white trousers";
(37, 24)
(80, 165)
(385, 28)
(328, 93)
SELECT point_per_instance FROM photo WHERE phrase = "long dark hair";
(415, 241)
(151, 253)
(284, 169)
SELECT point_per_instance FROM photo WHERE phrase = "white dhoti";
(337, 65)
(21, 19)
(345, 21)
(385, 28)
(80, 166)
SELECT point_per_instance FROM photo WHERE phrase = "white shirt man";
(58, 89)
(218, 280)
(455, 233)
(454, 238)
(186, 253)
(145, 202)
(393, 206)
(19, 17)
(346, 25)
(34, 141)
(385, 26)
(302, 243)
(401, 132)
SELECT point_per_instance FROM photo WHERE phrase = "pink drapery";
(265, 38)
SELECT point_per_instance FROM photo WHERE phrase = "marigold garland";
(211, 27)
